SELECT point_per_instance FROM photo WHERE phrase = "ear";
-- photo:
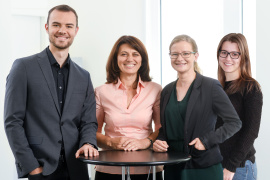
(196, 56)
(47, 28)
(76, 30)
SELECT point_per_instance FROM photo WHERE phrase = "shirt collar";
(141, 83)
(53, 60)
(120, 85)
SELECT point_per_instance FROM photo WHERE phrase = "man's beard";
(61, 47)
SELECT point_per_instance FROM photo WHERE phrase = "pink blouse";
(134, 121)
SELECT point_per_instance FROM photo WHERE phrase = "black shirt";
(60, 77)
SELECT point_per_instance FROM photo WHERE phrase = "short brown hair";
(112, 69)
(63, 8)
(245, 66)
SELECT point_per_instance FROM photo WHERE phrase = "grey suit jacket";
(34, 125)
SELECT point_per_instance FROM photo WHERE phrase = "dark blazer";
(34, 125)
(207, 101)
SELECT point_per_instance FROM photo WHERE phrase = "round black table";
(136, 158)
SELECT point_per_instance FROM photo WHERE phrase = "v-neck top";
(175, 114)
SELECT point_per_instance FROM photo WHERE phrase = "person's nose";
(228, 58)
(179, 57)
(62, 30)
(129, 57)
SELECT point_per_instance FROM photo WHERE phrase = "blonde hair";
(188, 39)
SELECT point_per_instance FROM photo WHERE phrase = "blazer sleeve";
(223, 108)
(88, 125)
(14, 117)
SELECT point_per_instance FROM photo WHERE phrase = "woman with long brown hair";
(234, 73)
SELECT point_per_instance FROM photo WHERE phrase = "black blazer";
(33, 122)
(207, 101)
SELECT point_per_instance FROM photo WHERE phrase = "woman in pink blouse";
(127, 104)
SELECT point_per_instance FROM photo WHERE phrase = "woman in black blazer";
(189, 109)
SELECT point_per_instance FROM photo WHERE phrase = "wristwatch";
(151, 141)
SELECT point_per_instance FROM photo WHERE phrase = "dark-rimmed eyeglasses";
(185, 54)
(233, 54)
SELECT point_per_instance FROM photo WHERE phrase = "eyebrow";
(69, 24)
(135, 51)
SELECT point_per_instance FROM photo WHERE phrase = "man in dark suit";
(50, 108)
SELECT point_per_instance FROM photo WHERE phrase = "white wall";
(263, 63)
(205, 25)
(7, 160)
(249, 30)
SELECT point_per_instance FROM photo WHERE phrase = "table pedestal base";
(124, 168)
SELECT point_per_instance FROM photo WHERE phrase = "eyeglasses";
(233, 54)
(185, 54)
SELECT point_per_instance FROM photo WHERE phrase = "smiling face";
(231, 67)
(61, 29)
(180, 64)
(129, 60)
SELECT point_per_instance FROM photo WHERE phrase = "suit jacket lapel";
(167, 96)
(46, 69)
(164, 101)
(193, 96)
